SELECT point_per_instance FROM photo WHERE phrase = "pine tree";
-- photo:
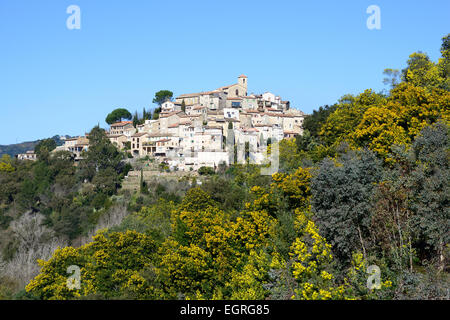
(135, 119)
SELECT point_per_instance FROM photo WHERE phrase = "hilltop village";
(202, 129)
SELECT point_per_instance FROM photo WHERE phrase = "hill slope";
(13, 149)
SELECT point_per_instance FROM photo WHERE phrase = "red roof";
(121, 123)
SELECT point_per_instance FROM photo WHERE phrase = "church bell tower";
(242, 80)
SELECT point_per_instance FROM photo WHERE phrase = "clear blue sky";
(59, 81)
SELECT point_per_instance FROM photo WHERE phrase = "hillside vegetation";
(14, 149)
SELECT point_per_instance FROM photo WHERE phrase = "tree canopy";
(162, 96)
(118, 115)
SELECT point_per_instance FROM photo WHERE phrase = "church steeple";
(242, 80)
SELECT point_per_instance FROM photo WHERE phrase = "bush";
(206, 171)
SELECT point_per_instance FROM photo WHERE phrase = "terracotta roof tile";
(121, 123)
